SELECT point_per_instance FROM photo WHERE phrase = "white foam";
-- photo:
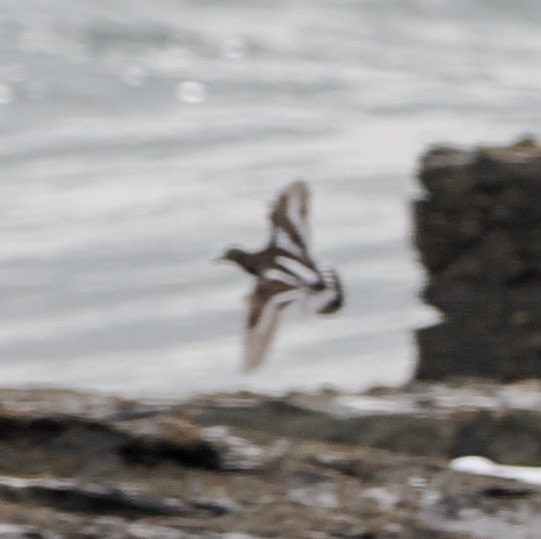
(483, 466)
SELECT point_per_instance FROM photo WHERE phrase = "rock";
(297, 466)
(478, 232)
(92, 498)
(13, 531)
(76, 440)
(500, 422)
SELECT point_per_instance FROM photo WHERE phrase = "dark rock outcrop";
(478, 231)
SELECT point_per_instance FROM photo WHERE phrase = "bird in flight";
(285, 273)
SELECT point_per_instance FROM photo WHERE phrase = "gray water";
(139, 139)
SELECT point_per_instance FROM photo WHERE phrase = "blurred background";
(139, 139)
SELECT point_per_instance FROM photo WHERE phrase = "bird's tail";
(331, 298)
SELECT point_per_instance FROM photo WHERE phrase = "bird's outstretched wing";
(266, 303)
(289, 220)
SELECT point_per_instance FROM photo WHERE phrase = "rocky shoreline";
(324, 465)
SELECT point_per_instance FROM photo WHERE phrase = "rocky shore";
(325, 465)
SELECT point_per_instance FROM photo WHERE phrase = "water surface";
(135, 145)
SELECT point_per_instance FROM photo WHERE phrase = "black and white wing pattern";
(285, 273)
(268, 300)
(289, 238)
(289, 220)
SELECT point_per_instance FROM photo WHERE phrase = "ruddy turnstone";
(285, 272)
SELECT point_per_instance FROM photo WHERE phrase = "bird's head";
(233, 254)
(247, 261)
